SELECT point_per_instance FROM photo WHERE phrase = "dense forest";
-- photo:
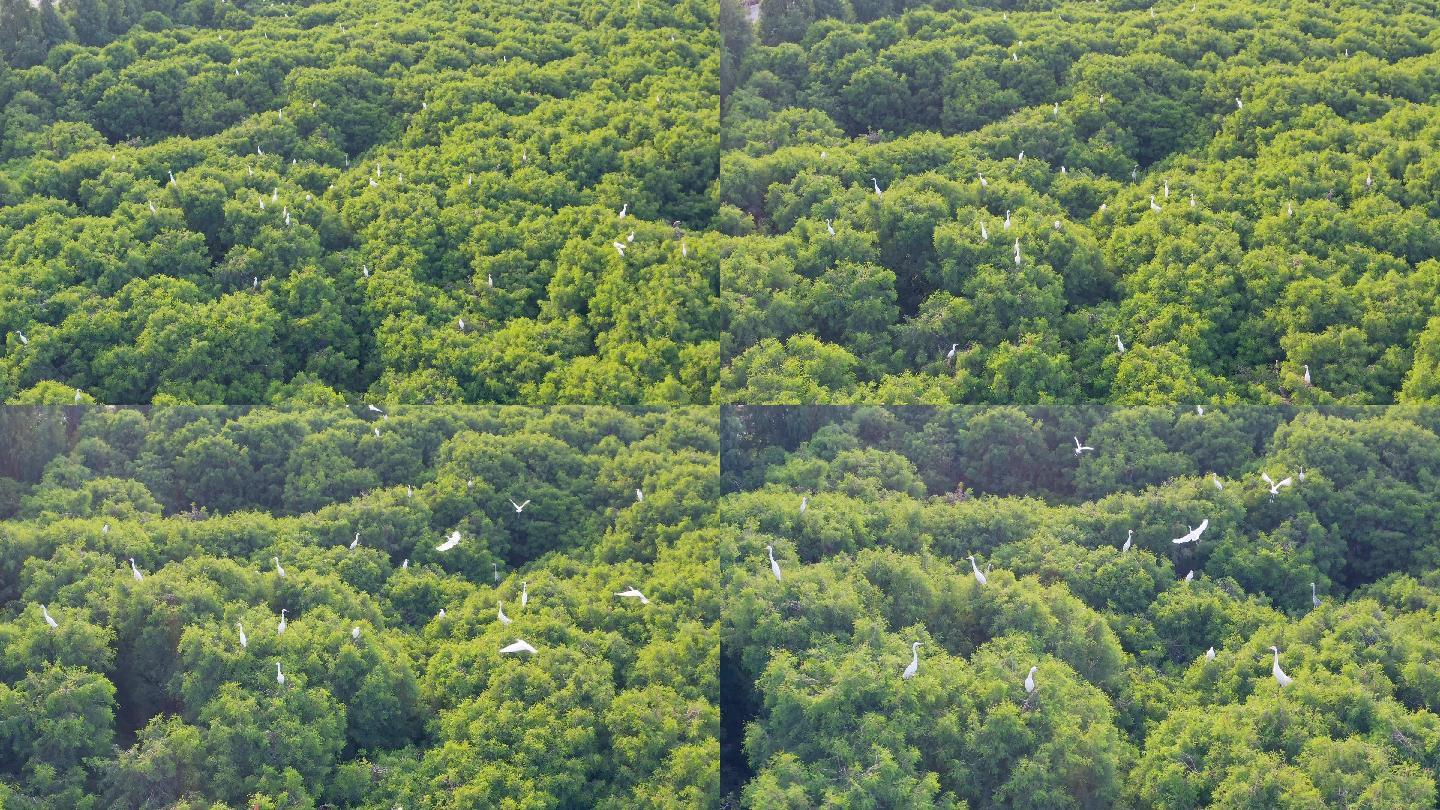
(163, 568)
(1042, 201)
(1072, 651)
(214, 202)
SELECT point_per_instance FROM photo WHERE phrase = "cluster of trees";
(1238, 190)
(1129, 709)
(142, 695)
(237, 203)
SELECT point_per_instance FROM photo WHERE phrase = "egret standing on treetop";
(876, 184)
(278, 569)
(1030, 681)
(280, 628)
(1280, 676)
(979, 577)
(135, 571)
(774, 566)
(914, 662)
(50, 620)
(501, 612)
(244, 642)
(1119, 344)
(1314, 600)
(1129, 535)
(279, 676)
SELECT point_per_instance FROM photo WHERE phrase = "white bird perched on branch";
(1017, 251)
(1129, 536)
(830, 226)
(1280, 676)
(1030, 681)
(279, 676)
(355, 632)
(244, 641)
(984, 232)
(876, 184)
(1190, 576)
(451, 542)
(639, 496)
(279, 570)
(280, 628)
(1154, 206)
(633, 593)
(914, 662)
(1193, 535)
(524, 594)
(619, 248)
(134, 570)
(50, 620)
(1006, 226)
(1119, 344)
(1314, 598)
(774, 566)
(624, 209)
(501, 612)
(1210, 654)
(979, 577)
(355, 542)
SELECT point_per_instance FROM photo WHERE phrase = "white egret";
(630, 237)
(172, 177)
(1007, 220)
(1192, 199)
(639, 496)
(829, 226)
(355, 542)
(1314, 599)
(1129, 537)
(914, 662)
(1239, 105)
(153, 211)
(1119, 344)
(517, 647)
(633, 593)
(452, 541)
(1199, 410)
(1017, 251)
(774, 566)
(619, 248)
(244, 641)
(1190, 576)
(979, 577)
(461, 322)
(405, 565)
(520, 507)
(1307, 374)
(441, 614)
(624, 209)
(501, 612)
(1275, 485)
(1280, 676)
(876, 184)
(24, 341)
(1030, 681)
(490, 280)
(1219, 485)
(1167, 188)
(984, 232)
(983, 181)
(1057, 108)
(279, 570)
(1193, 535)
(684, 249)
(280, 628)
(1210, 654)
(409, 491)
(279, 676)
(524, 594)
(377, 432)
(135, 571)
(50, 620)
(1080, 448)
(355, 632)
(950, 355)
(1154, 206)
(105, 529)
(495, 571)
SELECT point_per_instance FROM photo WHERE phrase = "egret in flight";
(1119, 344)
(1275, 485)
(1030, 681)
(979, 577)
(1080, 448)
(1129, 536)
(518, 647)
(1314, 599)
(914, 662)
(632, 593)
(50, 620)
(244, 641)
(1193, 536)
(503, 618)
(451, 542)
(520, 507)
(774, 566)
(279, 570)
(279, 676)
(1280, 676)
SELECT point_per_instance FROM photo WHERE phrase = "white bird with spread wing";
(520, 507)
(1080, 448)
(518, 647)
(451, 542)
(1275, 485)
(633, 593)
(1193, 536)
